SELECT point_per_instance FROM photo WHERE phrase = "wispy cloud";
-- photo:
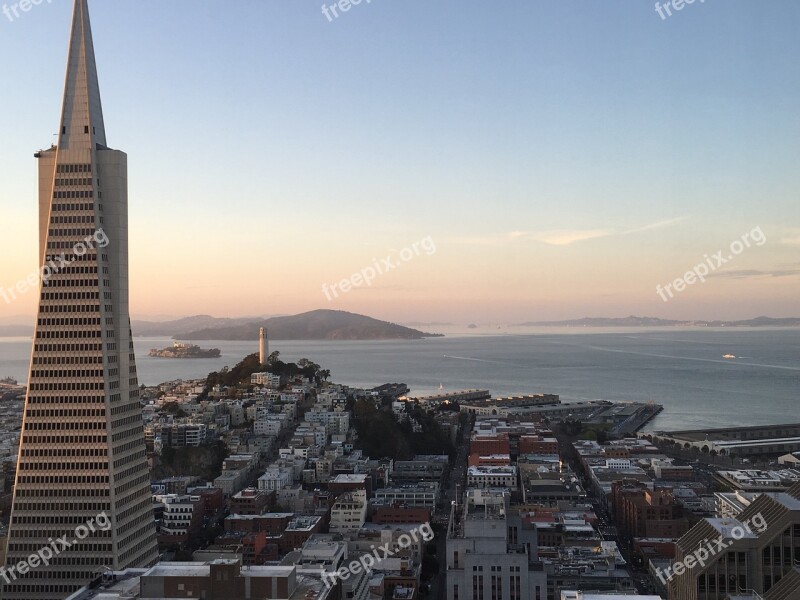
(792, 237)
(557, 237)
(656, 225)
(565, 237)
(756, 273)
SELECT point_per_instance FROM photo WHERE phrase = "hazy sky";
(564, 157)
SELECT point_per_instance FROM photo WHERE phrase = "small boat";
(728, 356)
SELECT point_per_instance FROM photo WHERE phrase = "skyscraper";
(83, 483)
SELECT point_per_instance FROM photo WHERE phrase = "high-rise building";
(82, 488)
(490, 556)
(754, 555)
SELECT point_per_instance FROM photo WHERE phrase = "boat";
(728, 356)
(179, 350)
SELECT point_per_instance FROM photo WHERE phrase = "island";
(179, 350)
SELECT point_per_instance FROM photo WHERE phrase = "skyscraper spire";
(82, 472)
(82, 115)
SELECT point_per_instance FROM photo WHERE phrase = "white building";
(424, 494)
(178, 513)
(492, 477)
(336, 423)
(349, 513)
(267, 380)
(271, 424)
(275, 479)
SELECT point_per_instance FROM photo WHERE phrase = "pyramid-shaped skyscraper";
(82, 470)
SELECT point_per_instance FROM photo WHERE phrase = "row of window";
(70, 308)
(72, 194)
(63, 245)
(74, 169)
(71, 219)
(69, 321)
(68, 360)
(68, 347)
(63, 479)
(67, 507)
(72, 283)
(76, 233)
(58, 493)
(68, 466)
(54, 387)
(62, 399)
(65, 426)
(42, 452)
(53, 335)
(76, 269)
(72, 295)
(76, 181)
(72, 206)
(66, 412)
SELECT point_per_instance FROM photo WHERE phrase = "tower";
(82, 472)
(263, 346)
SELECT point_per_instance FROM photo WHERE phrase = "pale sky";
(564, 158)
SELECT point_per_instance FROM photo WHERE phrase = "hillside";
(185, 325)
(656, 322)
(314, 325)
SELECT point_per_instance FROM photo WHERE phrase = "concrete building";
(251, 501)
(642, 512)
(276, 478)
(267, 380)
(223, 579)
(420, 468)
(482, 562)
(729, 505)
(181, 515)
(492, 477)
(753, 480)
(424, 494)
(82, 377)
(756, 552)
(349, 512)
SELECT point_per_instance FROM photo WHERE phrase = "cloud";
(559, 237)
(793, 238)
(756, 273)
(565, 237)
(656, 225)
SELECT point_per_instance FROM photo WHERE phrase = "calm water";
(683, 370)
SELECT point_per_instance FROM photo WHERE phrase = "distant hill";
(656, 322)
(314, 325)
(758, 322)
(185, 325)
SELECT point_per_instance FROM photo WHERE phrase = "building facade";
(82, 455)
